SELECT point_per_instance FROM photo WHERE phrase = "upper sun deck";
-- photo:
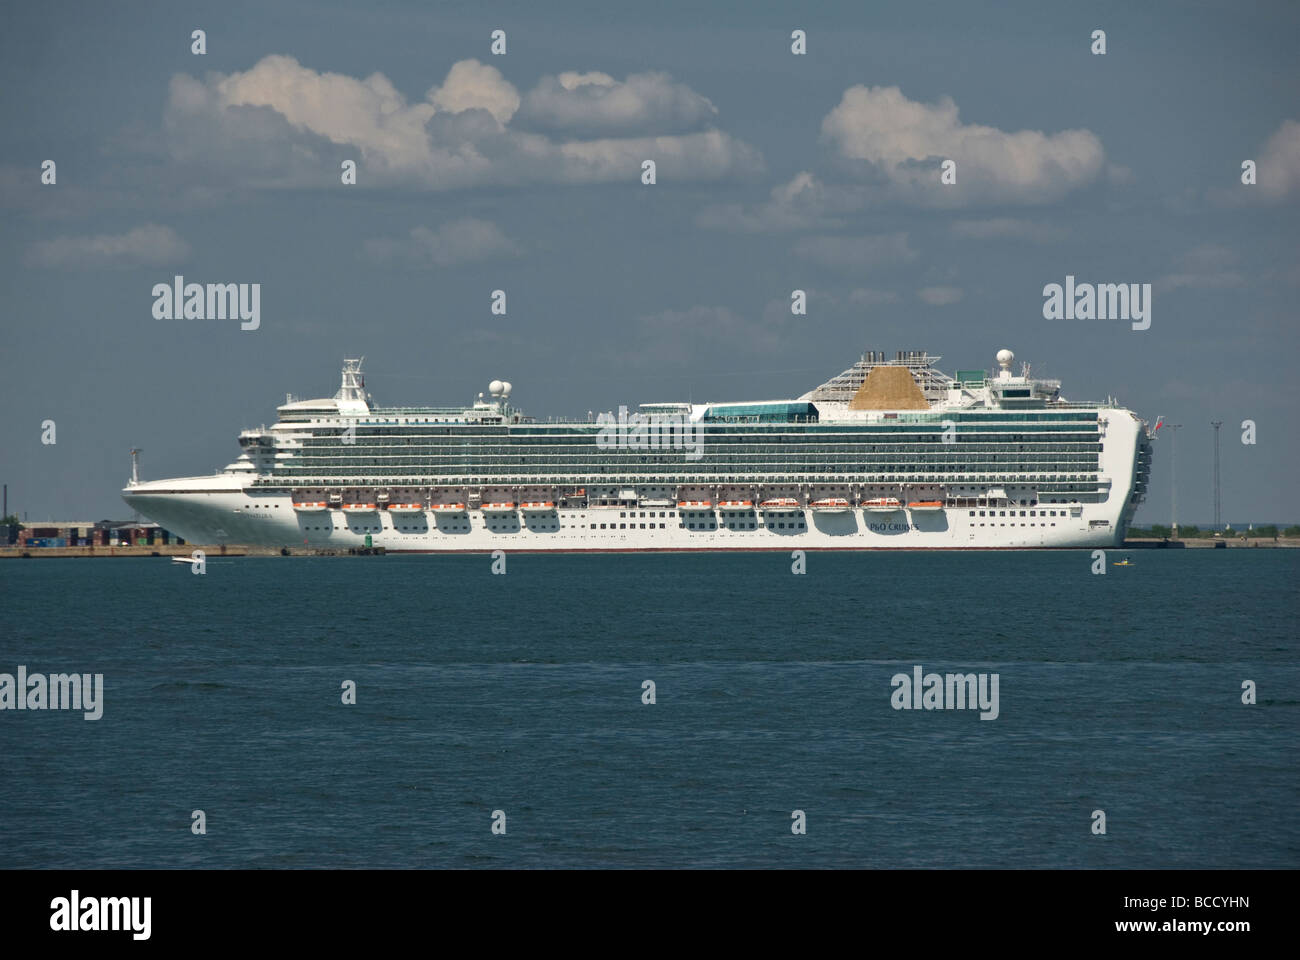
(905, 389)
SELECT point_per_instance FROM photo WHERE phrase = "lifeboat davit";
(831, 505)
(882, 505)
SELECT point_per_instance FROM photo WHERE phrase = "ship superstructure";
(891, 453)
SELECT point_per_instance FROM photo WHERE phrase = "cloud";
(856, 253)
(1120, 175)
(885, 137)
(805, 203)
(595, 104)
(1207, 267)
(940, 296)
(868, 297)
(471, 85)
(280, 124)
(1008, 228)
(149, 245)
(1278, 170)
(458, 241)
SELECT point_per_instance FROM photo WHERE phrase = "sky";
(522, 171)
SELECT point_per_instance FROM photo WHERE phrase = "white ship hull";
(207, 514)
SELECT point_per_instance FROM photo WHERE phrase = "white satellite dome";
(506, 387)
(494, 387)
(1005, 357)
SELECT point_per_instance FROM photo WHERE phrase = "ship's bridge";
(350, 401)
(1012, 392)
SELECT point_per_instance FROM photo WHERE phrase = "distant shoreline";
(237, 550)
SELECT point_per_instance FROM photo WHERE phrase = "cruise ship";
(889, 454)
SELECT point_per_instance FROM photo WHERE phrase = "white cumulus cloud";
(281, 124)
(883, 134)
(595, 104)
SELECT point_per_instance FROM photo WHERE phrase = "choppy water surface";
(523, 693)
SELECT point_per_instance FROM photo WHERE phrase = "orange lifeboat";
(831, 505)
(925, 506)
(882, 505)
